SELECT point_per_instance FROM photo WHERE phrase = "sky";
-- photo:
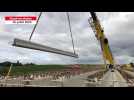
(53, 31)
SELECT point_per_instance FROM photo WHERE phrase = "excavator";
(103, 41)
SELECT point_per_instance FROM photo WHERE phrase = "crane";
(99, 33)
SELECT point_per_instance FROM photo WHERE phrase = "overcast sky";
(53, 31)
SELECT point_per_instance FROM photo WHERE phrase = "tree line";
(8, 63)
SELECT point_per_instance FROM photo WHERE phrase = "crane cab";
(110, 67)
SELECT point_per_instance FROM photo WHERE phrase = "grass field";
(21, 70)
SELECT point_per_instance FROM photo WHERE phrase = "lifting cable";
(70, 30)
(35, 46)
(68, 24)
(35, 26)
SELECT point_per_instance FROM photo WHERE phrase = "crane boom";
(99, 33)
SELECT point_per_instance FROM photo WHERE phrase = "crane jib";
(106, 51)
(93, 14)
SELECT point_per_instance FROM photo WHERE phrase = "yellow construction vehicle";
(99, 33)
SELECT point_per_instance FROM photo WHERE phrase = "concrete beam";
(35, 46)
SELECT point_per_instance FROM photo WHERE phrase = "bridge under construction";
(113, 74)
